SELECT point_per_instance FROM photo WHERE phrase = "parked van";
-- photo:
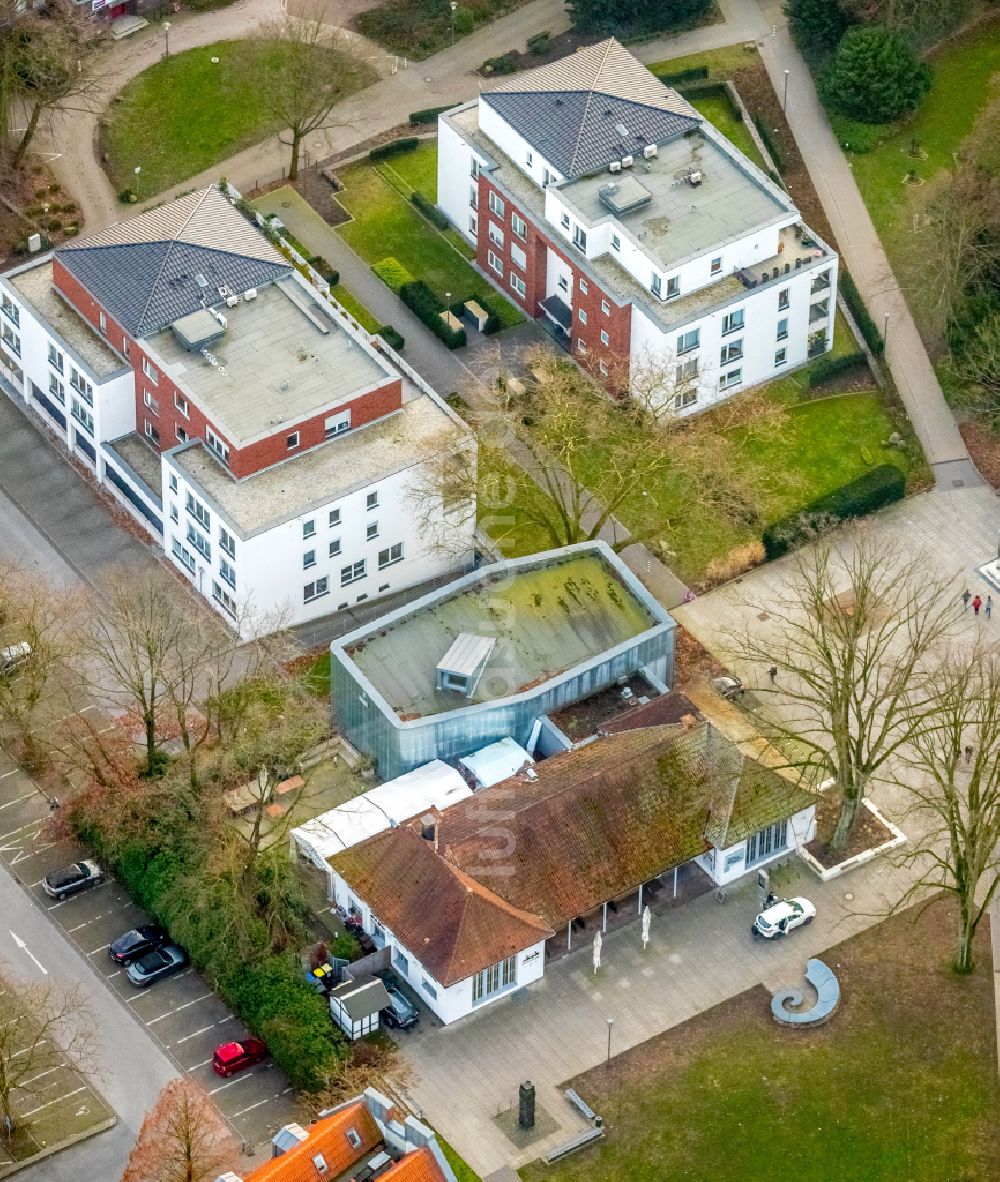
(13, 657)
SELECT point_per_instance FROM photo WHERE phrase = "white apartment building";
(654, 251)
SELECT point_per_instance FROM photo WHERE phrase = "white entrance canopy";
(499, 761)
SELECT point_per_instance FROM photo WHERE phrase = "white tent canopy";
(433, 785)
(499, 761)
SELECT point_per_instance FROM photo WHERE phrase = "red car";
(236, 1056)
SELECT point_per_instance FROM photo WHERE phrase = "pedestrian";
(965, 599)
(977, 603)
(989, 606)
(773, 673)
(969, 750)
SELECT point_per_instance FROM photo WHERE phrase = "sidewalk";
(862, 251)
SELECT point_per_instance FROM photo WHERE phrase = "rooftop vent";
(462, 665)
(694, 178)
(201, 280)
(625, 195)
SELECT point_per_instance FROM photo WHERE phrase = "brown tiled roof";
(453, 924)
(667, 708)
(329, 1138)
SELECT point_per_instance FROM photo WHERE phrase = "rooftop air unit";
(250, 293)
(649, 151)
(615, 166)
(232, 301)
(627, 162)
(694, 178)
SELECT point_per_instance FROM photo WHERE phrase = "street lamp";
(885, 331)
(453, 6)
(784, 100)
(138, 169)
(166, 38)
(611, 1023)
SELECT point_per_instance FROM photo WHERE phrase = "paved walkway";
(862, 250)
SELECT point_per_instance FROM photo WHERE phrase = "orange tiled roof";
(418, 1166)
(328, 1137)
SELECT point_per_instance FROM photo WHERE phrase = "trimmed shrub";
(425, 305)
(395, 340)
(392, 273)
(539, 44)
(128, 196)
(506, 63)
(694, 74)
(770, 143)
(878, 487)
(428, 114)
(852, 297)
(826, 368)
(394, 148)
(429, 210)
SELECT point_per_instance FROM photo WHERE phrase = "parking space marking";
(99, 948)
(88, 891)
(238, 1079)
(13, 771)
(20, 829)
(57, 1100)
(186, 1005)
(40, 1075)
(84, 710)
(195, 1033)
(198, 1066)
(70, 931)
(17, 799)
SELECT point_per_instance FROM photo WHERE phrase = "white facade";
(725, 866)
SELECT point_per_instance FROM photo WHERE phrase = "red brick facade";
(589, 298)
(160, 422)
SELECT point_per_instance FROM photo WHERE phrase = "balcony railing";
(820, 283)
(819, 311)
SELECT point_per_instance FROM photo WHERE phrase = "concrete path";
(862, 250)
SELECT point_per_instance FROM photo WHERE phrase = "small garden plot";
(417, 28)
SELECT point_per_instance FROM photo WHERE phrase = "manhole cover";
(849, 896)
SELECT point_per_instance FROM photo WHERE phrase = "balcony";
(797, 249)
(820, 284)
(819, 311)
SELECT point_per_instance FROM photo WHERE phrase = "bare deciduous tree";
(182, 1139)
(852, 641)
(956, 795)
(42, 1023)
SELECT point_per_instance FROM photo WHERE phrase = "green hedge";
(395, 340)
(870, 491)
(392, 273)
(506, 63)
(394, 148)
(539, 44)
(830, 367)
(428, 114)
(425, 305)
(429, 210)
(679, 76)
(770, 143)
(858, 309)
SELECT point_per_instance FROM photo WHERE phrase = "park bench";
(827, 987)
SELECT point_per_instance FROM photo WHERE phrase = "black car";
(70, 879)
(400, 1012)
(161, 962)
(131, 945)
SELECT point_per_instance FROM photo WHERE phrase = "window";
(496, 204)
(518, 257)
(200, 542)
(732, 322)
(616, 242)
(217, 445)
(517, 283)
(473, 197)
(57, 389)
(783, 330)
(605, 307)
(562, 283)
(731, 351)
(182, 404)
(184, 556)
(529, 159)
(372, 500)
(391, 556)
(495, 234)
(372, 531)
(292, 441)
(673, 287)
(83, 416)
(493, 980)
(308, 559)
(581, 345)
(151, 432)
(150, 371)
(564, 221)
(125, 345)
(198, 511)
(172, 481)
(685, 398)
(687, 370)
(400, 961)
(783, 299)
(603, 367)
(81, 385)
(228, 572)
(518, 225)
(103, 324)
(55, 359)
(353, 572)
(335, 548)
(180, 434)
(223, 599)
(767, 842)
(688, 341)
(338, 424)
(779, 358)
(428, 988)
(656, 285)
(581, 313)
(474, 169)
(174, 515)
(733, 378)
(151, 402)
(495, 262)
(10, 339)
(314, 590)
(227, 543)
(584, 289)
(715, 266)
(334, 517)
(11, 311)
(580, 238)
(605, 339)
(309, 527)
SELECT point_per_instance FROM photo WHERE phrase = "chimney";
(429, 829)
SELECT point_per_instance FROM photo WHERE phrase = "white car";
(782, 917)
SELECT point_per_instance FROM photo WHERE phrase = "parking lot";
(180, 1013)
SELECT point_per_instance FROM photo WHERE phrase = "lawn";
(384, 223)
(184, 114)
(416, 170)
(899, 1086)
(721, 63)
(717, 111)
(353, 305)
